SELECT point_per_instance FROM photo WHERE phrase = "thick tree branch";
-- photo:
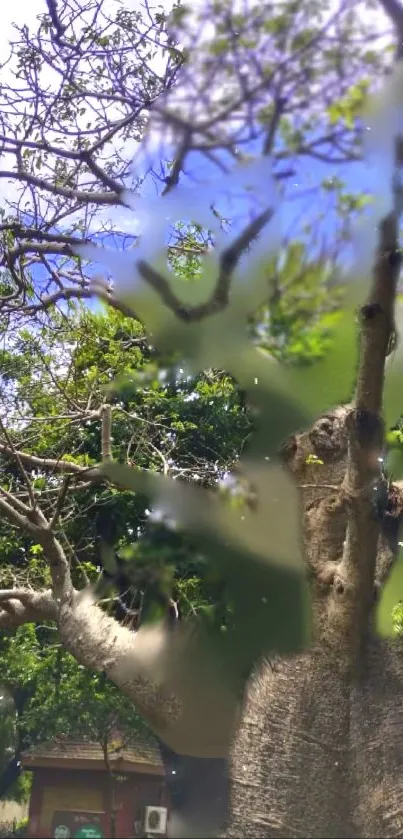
(20, 230)
(106, 432)
(60, 501)
(35, 523)
(21, 520)
(58, 564)
(15, 502)
(20, 606)
(64, 467)
(194, 716)
(351, 544)
(77, 195)
(79, 294)
(355, 587)
(47, 248)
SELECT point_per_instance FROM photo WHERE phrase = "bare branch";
(17, 518)
(228, 262)
(15, 502)
(61, 248)
(79, 294)
(76, 195)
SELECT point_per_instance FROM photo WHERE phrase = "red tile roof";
(139, 750)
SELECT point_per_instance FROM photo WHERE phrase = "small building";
(74, 792)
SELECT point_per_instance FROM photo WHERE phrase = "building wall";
(12, 810)
(136, 793)
(88, 790)
(58, 789)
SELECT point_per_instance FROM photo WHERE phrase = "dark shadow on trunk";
(198, 788)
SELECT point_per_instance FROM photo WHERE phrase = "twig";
(60, 501)
(106, 432)
(17, 457)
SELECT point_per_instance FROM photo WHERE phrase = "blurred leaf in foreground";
(259, 558)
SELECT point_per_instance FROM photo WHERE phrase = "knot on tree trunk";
(317, 459)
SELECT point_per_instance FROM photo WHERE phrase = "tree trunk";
(321, 755)
(319, 752)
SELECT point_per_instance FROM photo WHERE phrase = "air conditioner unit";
(155, 822)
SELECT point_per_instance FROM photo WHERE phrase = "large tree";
(316, 746)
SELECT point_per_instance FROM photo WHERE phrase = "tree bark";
(319, 751)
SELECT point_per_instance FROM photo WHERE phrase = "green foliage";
(397, 618)
(393, 458)
(21, 828)
(348, 107)
(64, 697)
(162, 418)
(191, 424)
(298, 325)
(389, 606)
(78, 703)
(313, 458)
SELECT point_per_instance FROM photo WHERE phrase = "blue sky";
(303, 201)
(301, 204)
